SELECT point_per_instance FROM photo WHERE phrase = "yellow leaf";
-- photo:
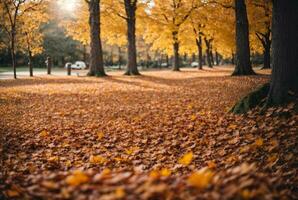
(131, 150)
(44, 133)
(246, 194)
(232, 126)
(119, 193)
(53, 159)
(186, 158)
(259, 142)
(154, 174)
(165, 172)
(211, 164)
(97, 160)
(190, 106)
(193, 118)
(200, 179)
(106, 171)
(77, 178)
(100, 135)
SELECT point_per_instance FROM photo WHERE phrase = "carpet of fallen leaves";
(163, 135)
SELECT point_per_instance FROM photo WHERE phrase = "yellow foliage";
(97, 160)
(100, 135)
(200, 179)
(77, 178)
(186, 159)
(44, 133)
(259, 142)
(164, 172)
(119, 193)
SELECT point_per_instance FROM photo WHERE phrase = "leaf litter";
(159, 136)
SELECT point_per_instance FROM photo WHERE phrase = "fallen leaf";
(200, 179)
(186, 159)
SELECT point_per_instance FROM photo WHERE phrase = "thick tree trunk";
(176, 61)
(130, 8)
(243, 64)
(200, 52)
(284, 51)
(209, 61)
(96, 56)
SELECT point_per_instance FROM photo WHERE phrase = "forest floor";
(163, 135)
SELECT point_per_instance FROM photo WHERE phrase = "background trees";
(11, 12)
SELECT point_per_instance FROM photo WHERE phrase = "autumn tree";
(96, 56)
(12, 10)
(260, 14)
(170, 16)
(30, 40)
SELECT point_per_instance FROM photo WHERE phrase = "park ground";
(162, 135)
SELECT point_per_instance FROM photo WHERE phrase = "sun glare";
(67, 5)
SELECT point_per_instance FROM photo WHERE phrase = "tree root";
(252, 100)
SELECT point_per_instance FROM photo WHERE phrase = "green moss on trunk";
(251, 100)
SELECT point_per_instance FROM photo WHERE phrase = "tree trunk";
(243, 64)
(209, 61)
(167, 60)
(176, 61)
(96, 56)
(13, 54)
(211, 53)
(200, 52)
(233, 59)
(217, 58)
(267, 57)
(84, 54)
(130, 8)
(30, 63)
(119, 57)
(284, 51)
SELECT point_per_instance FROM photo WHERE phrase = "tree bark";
(267, 62)
(284, 51)
(233, 59)
(96, 56)
(211, 53)
(30, 63)
(217, 58)
(200, 52)
(243, 64)
(119, 57)
(130, 8)
(176, 61)
(209, 61)
(13, 53)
